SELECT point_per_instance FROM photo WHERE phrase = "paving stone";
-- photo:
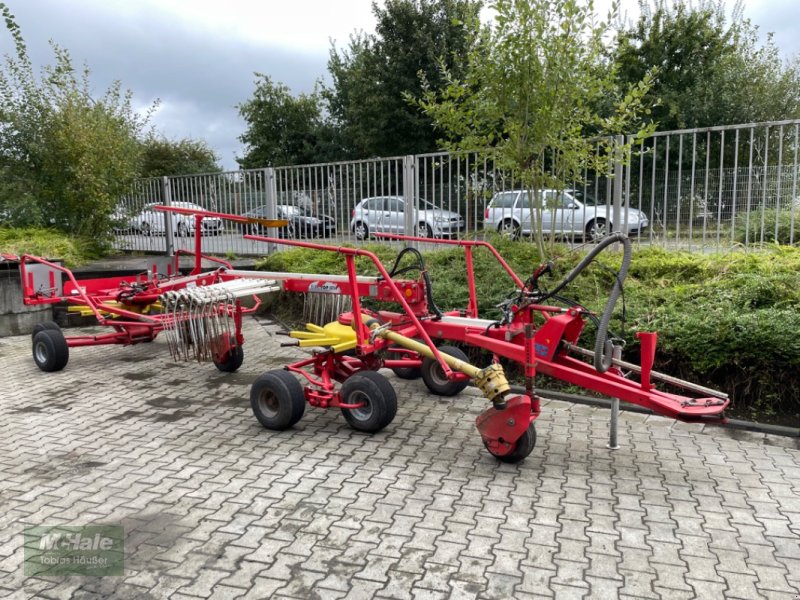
(215, 506)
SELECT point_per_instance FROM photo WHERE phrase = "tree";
(65, 157)
(161, 157)
(371, 76)
(529, 96)
(708, 72)
(281, 129)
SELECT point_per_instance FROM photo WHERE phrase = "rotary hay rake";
(200, 313)
(537, 336)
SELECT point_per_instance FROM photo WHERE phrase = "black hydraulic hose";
(603, 348)
(420, 266)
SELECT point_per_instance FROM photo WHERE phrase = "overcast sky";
(198, 56)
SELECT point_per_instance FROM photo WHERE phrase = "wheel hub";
(363, 412)
(40, 350)
(268, 403)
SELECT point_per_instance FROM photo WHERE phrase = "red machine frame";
(538, 337)
(123, 304)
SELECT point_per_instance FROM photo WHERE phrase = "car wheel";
(508, 229)
(597, 230)
(361, 230)
(424, 230)
(145, 228)
(183, 230)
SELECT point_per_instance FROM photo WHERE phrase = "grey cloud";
(199, 76)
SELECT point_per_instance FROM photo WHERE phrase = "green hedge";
(779, 226)
(729, 321)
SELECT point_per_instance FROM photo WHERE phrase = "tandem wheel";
(376, 394)
(434, 377)
(277, 399)
(409, 372)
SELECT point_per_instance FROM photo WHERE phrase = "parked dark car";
(302, 223)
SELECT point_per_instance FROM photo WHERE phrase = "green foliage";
(50, 244)
(65, 156)
(779, 226)
(709, 72)
(729, 321)
(530, 92)
(281, 129)
(161, 157)
(373, 73)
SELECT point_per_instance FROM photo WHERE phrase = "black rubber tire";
(145, 228)
(50, 350)
(375, 389)
(409, 372)
(434, 378)
(424, 230)
(44, 325)
(233, 360)
(277, 399)
(182, 229)
(523, 447)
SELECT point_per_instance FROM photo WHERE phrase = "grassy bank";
(730, 321)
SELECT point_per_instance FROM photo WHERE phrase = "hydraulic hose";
(420, 266)
(603, 347)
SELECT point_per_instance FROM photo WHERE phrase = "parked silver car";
(150, 221)
(563, 214)
(386, 214)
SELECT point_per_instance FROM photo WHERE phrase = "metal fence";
(698, 189)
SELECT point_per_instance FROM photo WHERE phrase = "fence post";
(271, 194)
(166, 195)
(616, 214)
(410, 187)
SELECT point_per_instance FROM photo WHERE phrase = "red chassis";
(538, 337)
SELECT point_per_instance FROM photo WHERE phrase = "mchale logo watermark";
(61, 550)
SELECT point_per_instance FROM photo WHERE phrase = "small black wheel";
(434, 377)
(44, 325)
(145, 228)
(522, 447)
(379, 399)
(409, 372)
(183, 229)
(232, 360)
(361, 230)
(50, 350)
(277, 399)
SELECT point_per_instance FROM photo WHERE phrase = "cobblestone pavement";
(213, 505)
